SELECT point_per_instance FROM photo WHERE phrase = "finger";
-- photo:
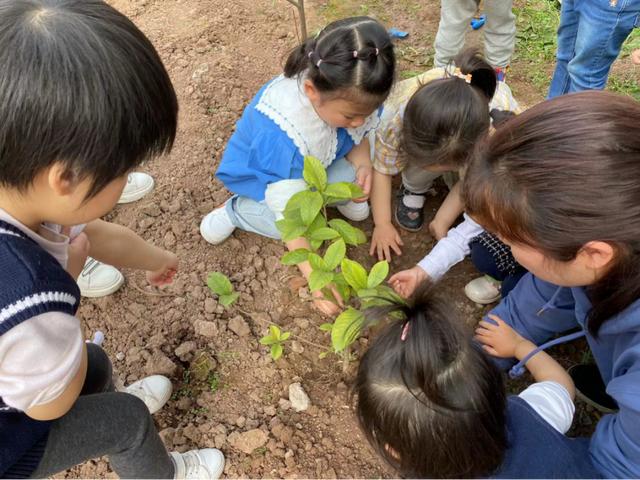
(387, 253)
(395, 277)
(490, 350)
(495, 318)
(373, 248)
(399, 240)
(366, 188)
(396, 248)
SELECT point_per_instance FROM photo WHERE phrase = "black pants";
(106, 422)
(492, 257)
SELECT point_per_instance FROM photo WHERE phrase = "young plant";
(306, 216)
(220, 285)
(275, 340)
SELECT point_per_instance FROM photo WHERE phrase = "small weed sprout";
(275, 341)
(220, 285)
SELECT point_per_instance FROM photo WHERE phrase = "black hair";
(444, 118)
(81, 85)
(428, 398)
(349, 57)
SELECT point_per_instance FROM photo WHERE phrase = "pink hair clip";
(405, 331)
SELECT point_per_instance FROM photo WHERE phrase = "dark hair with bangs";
(80, 85)
(432, 405)
(564, 173)
(445, 118)
(351, 58)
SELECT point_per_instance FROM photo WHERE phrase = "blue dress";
(277, 129)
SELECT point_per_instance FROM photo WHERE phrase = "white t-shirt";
(40, 356)
(552, 402)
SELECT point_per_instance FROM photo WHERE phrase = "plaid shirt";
(388, 158)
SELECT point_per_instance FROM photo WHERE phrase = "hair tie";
(310, 54)
(405, 331)
(355, 54)
(318, 63)
(377, 52)
(458, 73)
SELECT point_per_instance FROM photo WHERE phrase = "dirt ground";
(228, 393)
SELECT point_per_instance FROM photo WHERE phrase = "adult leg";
(114, 424)
(603, 28)
(99, 377)
(567, 33)
(455, 16)
(499, 32)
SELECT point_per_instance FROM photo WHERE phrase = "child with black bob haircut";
(84, 99)
(433, 404)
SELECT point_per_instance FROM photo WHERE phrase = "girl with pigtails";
(324, 105)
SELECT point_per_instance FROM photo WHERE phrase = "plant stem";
(299, 4)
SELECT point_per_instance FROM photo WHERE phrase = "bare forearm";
(381, 198)
(451, 208)
(360, 155)
(119, 246)
(544, 368)
(301, 242)
(61, 405)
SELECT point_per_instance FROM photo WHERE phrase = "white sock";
(413, 201)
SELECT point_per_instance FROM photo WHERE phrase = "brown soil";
(218, 54)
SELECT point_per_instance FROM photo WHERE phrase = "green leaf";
(314, 173)
(275, 331)
(310, 207)
(276, 351)
(346, 329)
(384, 292)
(319, 279)
(326, 327)
(285, 336)
(317, 263)
(323, 355)
(356, 191)
(295, 257)
(268, 340)
(338, 191)
(342, 286)
(324, 234)
(378, 274)
(290, 229)
(350, 234)
(334, 254)
(354, 274)
(316, 244)
(228, 299)
(318, 222)
(219, 284)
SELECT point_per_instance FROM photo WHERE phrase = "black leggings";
(105, 422)
(492, 257)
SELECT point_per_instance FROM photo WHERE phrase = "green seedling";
(220, 285)
(275, 340)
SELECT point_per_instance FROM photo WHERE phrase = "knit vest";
(32, 282)
(537, 450)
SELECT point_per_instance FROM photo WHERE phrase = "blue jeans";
(590, 36)
(252, 216)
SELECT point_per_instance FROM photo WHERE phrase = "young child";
(433, 404)
(430, 126)
(567, 202)
(324, 105)
(84, 100)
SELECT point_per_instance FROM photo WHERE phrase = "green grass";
(537, 27)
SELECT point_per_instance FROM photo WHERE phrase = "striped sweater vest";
(32, 282)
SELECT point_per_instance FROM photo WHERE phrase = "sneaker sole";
(483, 301)
(135, 196)
(102, 292)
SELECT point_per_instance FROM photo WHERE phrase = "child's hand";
(498, 339)
(327, 306)
(406, 281)
(364, 177)
(437, 230)
(635, 56)
(385, 238)
(77, 254)
(164, 275)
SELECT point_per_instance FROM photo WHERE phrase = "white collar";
(288, 107)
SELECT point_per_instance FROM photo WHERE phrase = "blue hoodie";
(538, 310)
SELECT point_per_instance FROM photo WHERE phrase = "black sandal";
(408, 218)
(590, 387)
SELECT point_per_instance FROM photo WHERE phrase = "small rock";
(239, 326)
(185, 350)
(284, 404)
(169, 239)
(241, 421)
(206, 329)
(210, 305)
(303, 323)
(282, 433)
(167, 436)
(160, 364)
(297, 347)
(120, 356)
(184, 403)
(247, 442)
(270, 411)
(296, 283)
(298, 397)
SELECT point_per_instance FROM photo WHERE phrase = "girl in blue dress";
(324, 105)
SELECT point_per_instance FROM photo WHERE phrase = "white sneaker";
(138, 185)
(207, 463)
(216, 227)
(98, 279)
(356, 212)
(154, 391)
(483, 290)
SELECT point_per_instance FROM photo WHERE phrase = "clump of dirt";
(228, 392)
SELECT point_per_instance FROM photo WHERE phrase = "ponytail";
(352, 53)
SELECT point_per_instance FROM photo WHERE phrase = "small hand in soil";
(406, 281)
(326, 306)
(165, 274)
(384, 239)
